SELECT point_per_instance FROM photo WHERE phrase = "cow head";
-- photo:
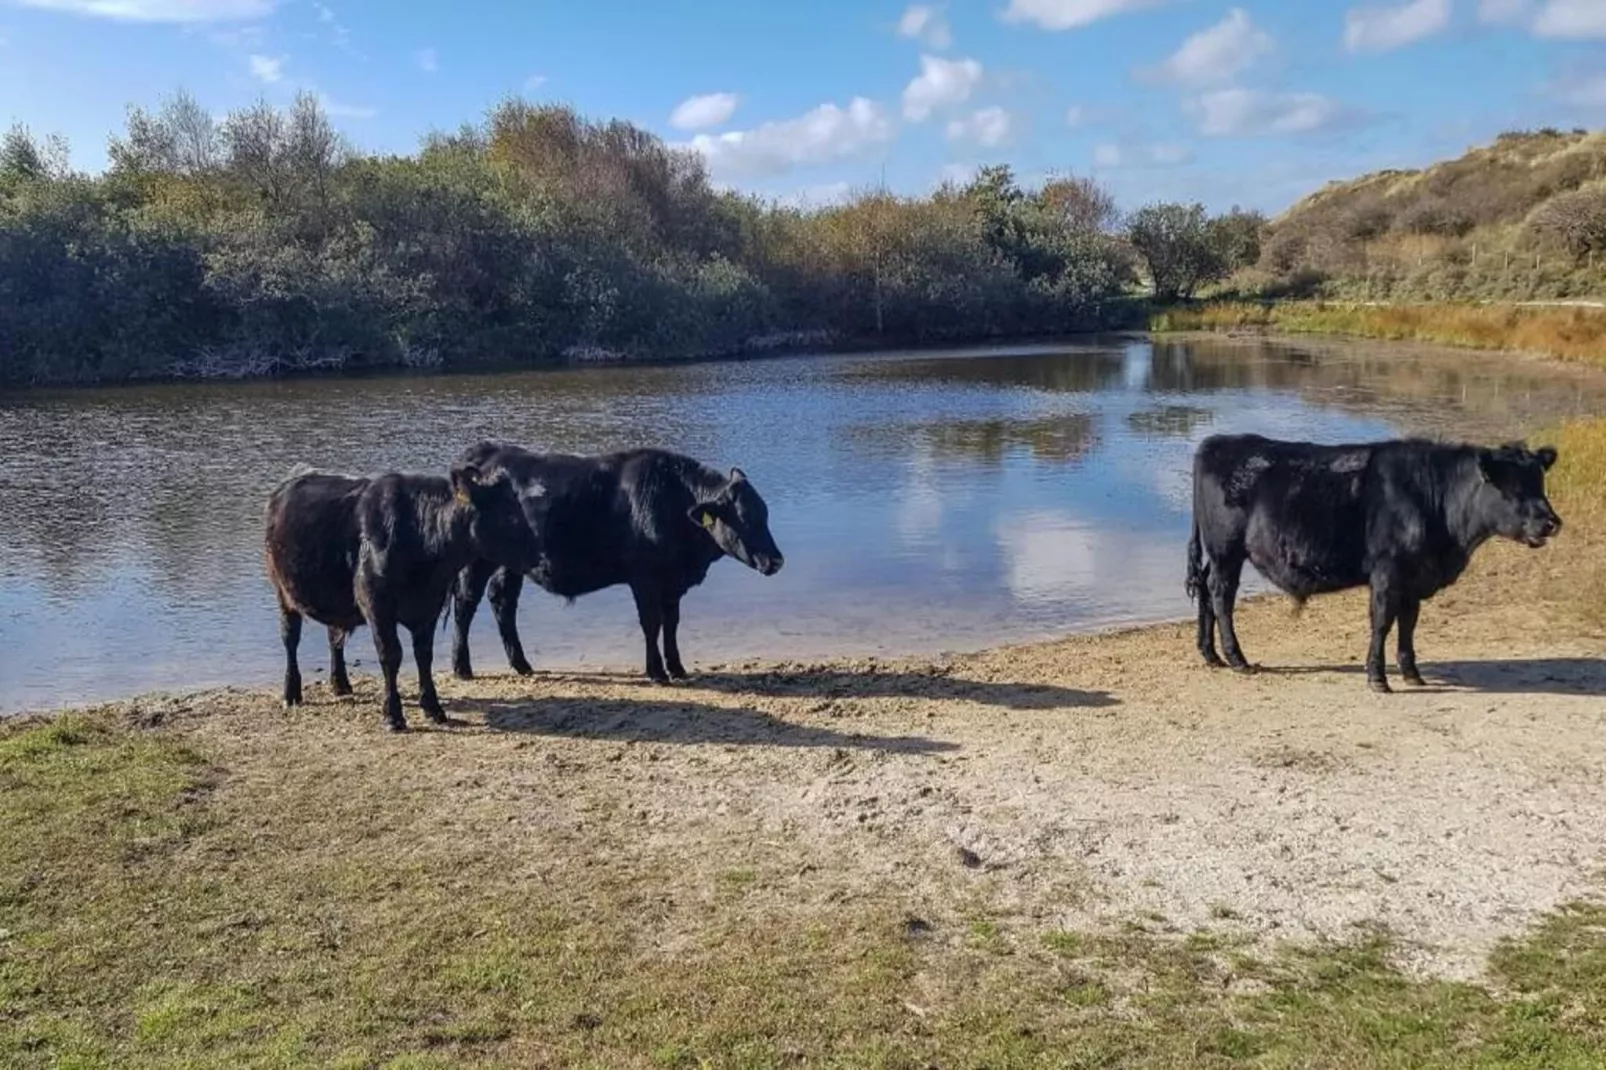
(496, 525)
(739, 523)
(1512, 498)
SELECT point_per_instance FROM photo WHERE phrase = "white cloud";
(1497, 11)
(1159, 154)
(339, 110)
(821, 196)
(534, 82)
(159, 10)
(1075, 115)
(701, 112)
(940, 83)
(927, 25)
(1379, 29)
(1218, 54)
(826, 134)
(269, 69)
(1252, 112)
(958, 174)
(1069, 14)
(1575, 19)
(428, 60)
(324, 14)
(989, 126)
(1587, 92)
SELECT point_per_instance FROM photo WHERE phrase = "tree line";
(264, 244)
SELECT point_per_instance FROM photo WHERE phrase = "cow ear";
(738, 476)
(703, 515)
(1547, 456)
(465, 480)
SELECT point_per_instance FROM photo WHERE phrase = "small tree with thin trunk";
(1175, 244)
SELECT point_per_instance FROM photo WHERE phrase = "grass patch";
(1575, 334)
(1577, 488)
(161, 910)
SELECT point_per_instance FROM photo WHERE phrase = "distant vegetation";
(1523, 218)
(264, 244)
(1567, 333)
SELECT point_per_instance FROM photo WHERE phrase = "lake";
(925, 501)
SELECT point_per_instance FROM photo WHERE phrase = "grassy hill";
(1522, 218)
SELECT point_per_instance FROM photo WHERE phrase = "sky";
(1253, 103)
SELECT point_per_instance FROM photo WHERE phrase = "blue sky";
(1254, 103)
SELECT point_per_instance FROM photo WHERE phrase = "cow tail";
(1196, 567)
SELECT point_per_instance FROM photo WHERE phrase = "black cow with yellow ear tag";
(651, 519)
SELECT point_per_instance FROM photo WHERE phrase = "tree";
(1175, 243)
(25, 158)
(1575, 220)
(180, 139)
(1079, 205)
(1235, 237)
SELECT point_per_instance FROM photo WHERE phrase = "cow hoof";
(522, 667)
(463, 673)
(395, 726)
(679, 673)
(1244, 668)
(1213, 660)
(340, 689)
(661, 678)
(1414, 679)
(1380, 685)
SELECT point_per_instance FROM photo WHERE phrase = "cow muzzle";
(767, 564)
(1542, 532)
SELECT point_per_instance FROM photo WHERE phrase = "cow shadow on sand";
(674, 720)
(827, 684)
(1514, 676)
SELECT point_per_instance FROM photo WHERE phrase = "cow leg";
(424, 658)
(671, 639)
(1207, 632)
(1410, 610)
(290, 635)
(504, 591)
(1385, 610)
(1223, 583)
(466, 595)
(649, 610)
(387, 644)
(339, 682)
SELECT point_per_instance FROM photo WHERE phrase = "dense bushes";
(263, 244)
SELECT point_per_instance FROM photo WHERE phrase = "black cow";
(1403, 516)
(382, 551)
(648, 518)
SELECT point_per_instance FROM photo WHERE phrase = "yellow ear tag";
(460, 494)
(708, 521)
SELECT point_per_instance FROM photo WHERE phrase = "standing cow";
(384, 551)
(1402, 516)
(648, 518)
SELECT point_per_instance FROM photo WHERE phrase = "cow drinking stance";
(648, 518)
(1402, 516)
(383, 551)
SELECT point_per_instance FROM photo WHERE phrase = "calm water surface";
(930, 501)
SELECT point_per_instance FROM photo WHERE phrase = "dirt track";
(1098, 781)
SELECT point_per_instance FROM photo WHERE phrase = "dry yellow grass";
(1567, 333)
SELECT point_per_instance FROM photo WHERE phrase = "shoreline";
(1090, 836)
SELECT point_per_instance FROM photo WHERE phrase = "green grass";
(159, 911)
(1577, 334)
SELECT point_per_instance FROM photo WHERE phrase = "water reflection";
(926, 501)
